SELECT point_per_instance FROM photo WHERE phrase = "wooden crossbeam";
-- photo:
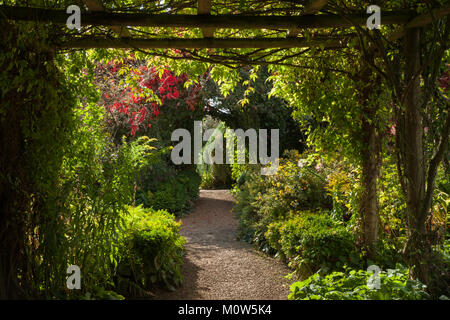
(314, 7)
(420, 21)
(196, 21)
(204, 8)
(123, 43)
(97, 6)
(427, 18)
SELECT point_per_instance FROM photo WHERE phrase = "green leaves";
(311, 240)
(176, 194)
(352, 285)
(151, 251)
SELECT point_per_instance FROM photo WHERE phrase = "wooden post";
(414, 166)
(204, 8)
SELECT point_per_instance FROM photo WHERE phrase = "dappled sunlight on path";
(217, 266)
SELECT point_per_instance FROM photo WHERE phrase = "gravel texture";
(216, 265)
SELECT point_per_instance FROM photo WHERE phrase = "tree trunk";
(371, 159)
(369, 178)
(11, 179)
(417, 249)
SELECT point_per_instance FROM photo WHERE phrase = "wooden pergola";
(282, 33)
(311, 18)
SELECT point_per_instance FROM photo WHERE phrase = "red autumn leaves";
(131, 103)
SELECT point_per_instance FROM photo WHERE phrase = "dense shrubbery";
(308, 215)
(176, 194)
(262, 200)
(288, 214)
(150, 251)
(153, 101)
(359, 285)
(135, 249)
(97, 185)
(85, 179)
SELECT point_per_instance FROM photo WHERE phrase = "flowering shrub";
(134, 95)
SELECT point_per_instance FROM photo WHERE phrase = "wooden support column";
(204, 8)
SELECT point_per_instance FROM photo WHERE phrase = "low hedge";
(310, 241)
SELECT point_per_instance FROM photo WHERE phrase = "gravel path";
(217, 266)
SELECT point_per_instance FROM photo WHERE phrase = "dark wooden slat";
(199, 21)
(96, 42)
(420, 21)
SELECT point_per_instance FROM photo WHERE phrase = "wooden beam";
(96, 42)
(204, 8)
(196, 21)
(97, 6)
(314, 7)
(419, 21)
(428, 18)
